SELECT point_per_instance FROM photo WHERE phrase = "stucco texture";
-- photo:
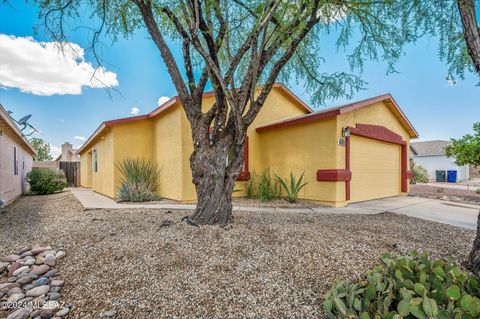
(166, 139)
(12, 185)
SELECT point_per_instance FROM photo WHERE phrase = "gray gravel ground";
(444, 193)
(265, 266)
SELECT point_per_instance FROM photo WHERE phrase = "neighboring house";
(68, 154)
(431, 155)
(16, 157)
(351, 153)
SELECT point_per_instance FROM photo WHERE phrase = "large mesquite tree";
(238, 46)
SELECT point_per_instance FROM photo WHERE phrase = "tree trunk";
(214, 181)
(474, 258)
(470, 30)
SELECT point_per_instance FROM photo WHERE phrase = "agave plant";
(141, 179)
(294, 189)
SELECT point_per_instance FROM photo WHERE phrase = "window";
(94, 161)
(15, 161)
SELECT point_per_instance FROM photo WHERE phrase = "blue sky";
(437, 109)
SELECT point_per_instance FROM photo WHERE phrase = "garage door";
(376, 169)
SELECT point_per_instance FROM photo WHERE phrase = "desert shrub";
(420, 174)
(250, 186)
(45, 181)
(412, 286)
(267, 188)
(293, 189)
(141, 179)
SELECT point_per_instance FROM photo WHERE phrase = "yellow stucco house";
(349, 153)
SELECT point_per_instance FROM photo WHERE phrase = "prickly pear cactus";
(410, 286)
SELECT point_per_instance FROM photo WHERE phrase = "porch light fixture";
(345, 132)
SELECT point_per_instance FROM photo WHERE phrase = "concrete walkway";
(457, 214)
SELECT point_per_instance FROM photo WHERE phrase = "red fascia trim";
(376, 132)
(334, 175)
(293, 96)
(126, 120)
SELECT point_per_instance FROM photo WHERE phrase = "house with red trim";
(350, 153)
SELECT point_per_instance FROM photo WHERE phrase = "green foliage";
(466, 149)
(294, 188)
(365, 30)
(45, 181)
(251, 186)
(262, 186)
(412, 286)
(420, 174)
(42, 148)
(477, 191)
(267, 188)
(141, 179)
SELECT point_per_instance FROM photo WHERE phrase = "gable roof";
(8, 120)
(174, 101)
(429, 148)
(73, 151)
(338, 110)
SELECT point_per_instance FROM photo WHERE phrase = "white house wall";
(12, 185)
(434, 163)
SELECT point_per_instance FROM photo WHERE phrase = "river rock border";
(30, 286)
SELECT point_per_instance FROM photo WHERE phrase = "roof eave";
(9, 122)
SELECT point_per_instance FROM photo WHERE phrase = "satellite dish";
(23, 120)
(23, 124)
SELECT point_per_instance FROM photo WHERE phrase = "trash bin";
(440, 176)
(452, 176)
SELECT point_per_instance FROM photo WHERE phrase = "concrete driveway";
(447, 212)
(457, 214)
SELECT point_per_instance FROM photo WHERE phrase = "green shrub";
(250, 186)
(477, 191)
(294, 188)
(45, 181)
(267, 188)
(411, 286)
(141, 179)
(420, 174)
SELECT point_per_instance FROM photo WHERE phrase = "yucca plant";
(141, 179)
(294, 189)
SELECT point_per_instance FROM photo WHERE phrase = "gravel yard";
(145, 263)
(452, 194)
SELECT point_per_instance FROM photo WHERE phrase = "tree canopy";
(466, 150)
(42, 148)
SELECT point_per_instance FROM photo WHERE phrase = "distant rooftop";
(429, 148)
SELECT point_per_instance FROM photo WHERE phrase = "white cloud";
(162, 100)
(135, 111)
(80, 138)
(55, 151)
(41, 68)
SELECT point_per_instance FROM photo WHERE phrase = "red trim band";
(333, 175)
(409, 174)
(243, 176)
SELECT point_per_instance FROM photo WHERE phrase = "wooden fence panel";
(72, 173)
